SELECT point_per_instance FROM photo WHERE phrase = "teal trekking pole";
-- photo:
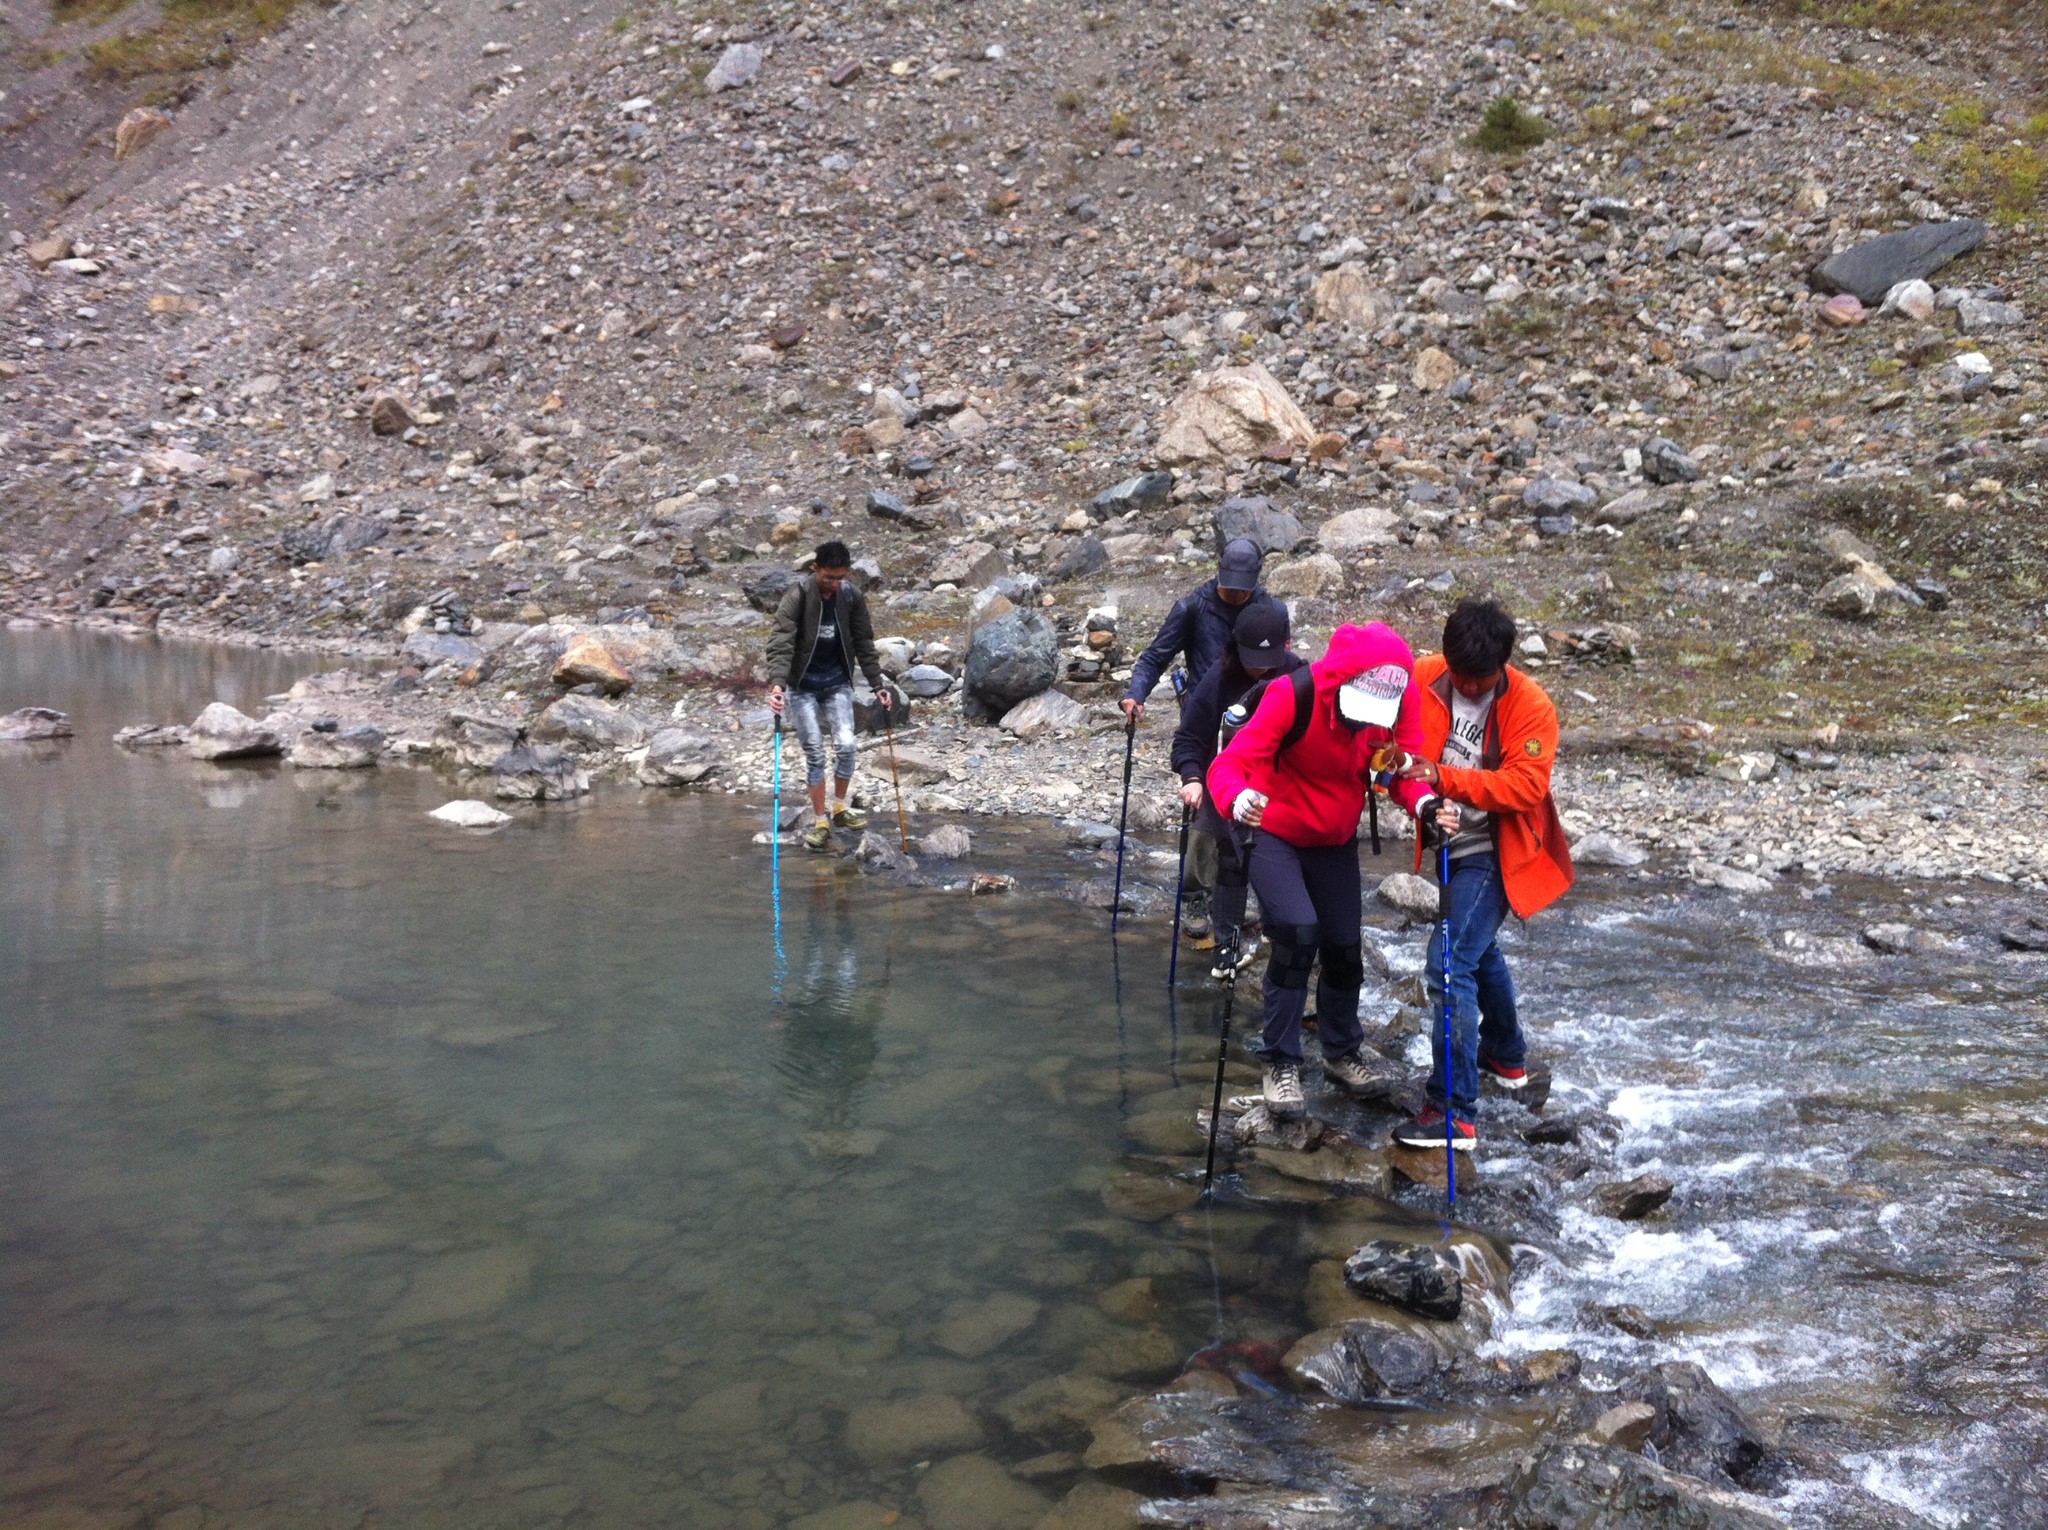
(775, 856)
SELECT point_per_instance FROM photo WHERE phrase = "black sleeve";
(1173, 637)
(1201, 717)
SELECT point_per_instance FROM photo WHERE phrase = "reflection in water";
(829, 1027)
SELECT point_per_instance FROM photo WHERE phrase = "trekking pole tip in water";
(1123, 817)
(1216, 1099)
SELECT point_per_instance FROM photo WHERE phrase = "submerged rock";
(975, 1327)
(904, 1429)
(1416, 1277)
(975, 1493)
(32, 724)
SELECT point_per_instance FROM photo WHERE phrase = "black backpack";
(1239, 712)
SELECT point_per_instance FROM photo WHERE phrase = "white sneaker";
(1284, 1098)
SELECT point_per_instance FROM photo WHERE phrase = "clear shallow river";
(358, 1171)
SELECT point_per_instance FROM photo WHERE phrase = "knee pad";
(1344, 967)
(1294, 955)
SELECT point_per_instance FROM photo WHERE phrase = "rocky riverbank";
(1788, 806)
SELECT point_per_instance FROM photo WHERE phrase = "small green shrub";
(1508, 126)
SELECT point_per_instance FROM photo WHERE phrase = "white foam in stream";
(1923, 1478)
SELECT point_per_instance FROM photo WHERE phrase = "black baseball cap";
(1238, 568)
(1261, 636)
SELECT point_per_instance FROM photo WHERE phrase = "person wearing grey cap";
(1198, 630)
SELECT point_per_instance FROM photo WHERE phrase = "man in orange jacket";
(1490, 739)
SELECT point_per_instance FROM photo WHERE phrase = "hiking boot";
(1284, 1099)
(818, 836)
(1233, 956)
(844, 817)
(1507, 1075)
(1360, 1072)
(1427, 1131)
(1195, 923)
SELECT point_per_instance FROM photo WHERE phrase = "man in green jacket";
(822, 633)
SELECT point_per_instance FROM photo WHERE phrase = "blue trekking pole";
(1443, 908)
(1116, 899)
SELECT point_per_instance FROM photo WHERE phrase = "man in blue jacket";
(1257, 652)
(1198, 629)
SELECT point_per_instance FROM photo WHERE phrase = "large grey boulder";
(1417, 1277)
(344, 532)
(1078, 558)
(1147, 491)
(222, 733)
(427, 649)
(1257, 517)
(1356, 530)
(330, 748)
(591, 722)
(1871, 269)
(1041, 713)
(1557, 496)
(681, 756)
(1013, 657)
(538, 773)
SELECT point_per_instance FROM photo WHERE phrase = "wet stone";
(1634, 1199)
(1060, 1405)
(460, 1287)
(1361, 1359)
(1415, 1277)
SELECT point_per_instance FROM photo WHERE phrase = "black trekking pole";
(1187, 816)
(1123, 818)
(1216, 1102)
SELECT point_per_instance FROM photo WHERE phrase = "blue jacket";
(1202, 709)
(1198, 626)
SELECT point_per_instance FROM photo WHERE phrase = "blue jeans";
(811, 714)
(1483, 1015)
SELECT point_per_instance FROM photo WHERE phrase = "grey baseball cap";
(1238, 568)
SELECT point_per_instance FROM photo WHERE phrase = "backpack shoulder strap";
(1304, 708)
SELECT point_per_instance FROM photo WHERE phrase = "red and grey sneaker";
(1427, 1131)
(1507, 1075)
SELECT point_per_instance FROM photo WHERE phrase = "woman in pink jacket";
(1303, 789)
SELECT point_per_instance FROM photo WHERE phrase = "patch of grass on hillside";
(62, 11)
(1507, 126)
(187, 35)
